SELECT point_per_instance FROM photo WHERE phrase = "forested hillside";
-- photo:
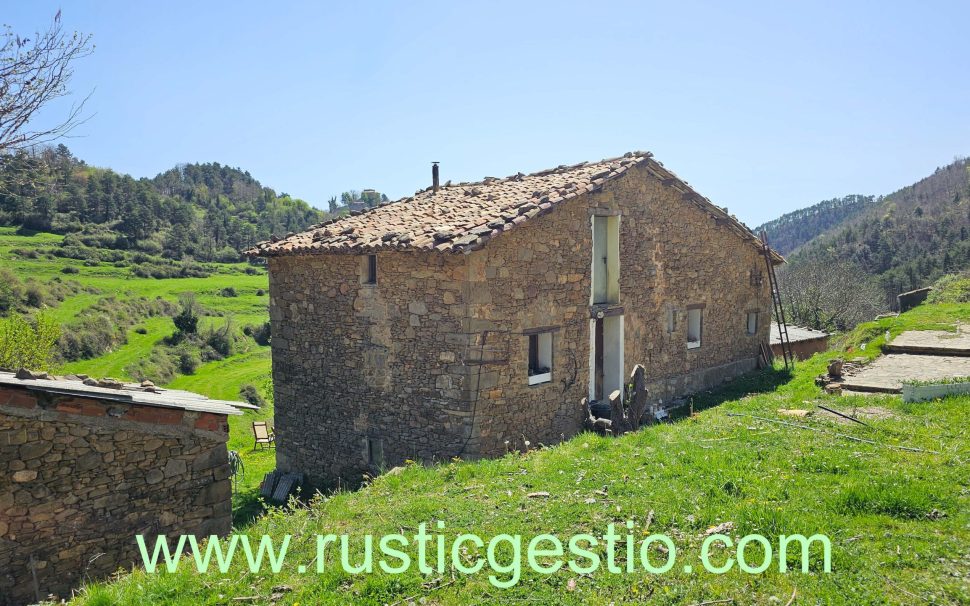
(208, 212)
(791, 230)
(908, 238)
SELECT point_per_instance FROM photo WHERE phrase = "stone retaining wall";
(80, 477)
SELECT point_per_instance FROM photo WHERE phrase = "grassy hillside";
(898, 521)
(217, 379)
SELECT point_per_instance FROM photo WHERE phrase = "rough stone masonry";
(429, 357)
(81, 476)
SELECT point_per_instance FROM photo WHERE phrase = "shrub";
(226, 255)
(262, 333)
(70, 269)
(149, 246)
(193, 270)
(141, 330)
(953, 288)
(82, 253)
(228, 291)
(25, 253)
(35, 295)
(250, 394)
(188, 361)
(260, 292)
(221, 339)
(25, 344)
(11, 291)
(158, 367)
(187, 320)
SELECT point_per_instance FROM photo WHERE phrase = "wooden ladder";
(786, 351)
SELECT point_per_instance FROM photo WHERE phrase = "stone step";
(927, 350)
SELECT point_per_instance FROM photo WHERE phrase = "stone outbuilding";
(805, 342)
(470, 318)
(85, 468)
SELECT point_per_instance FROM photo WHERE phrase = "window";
(540, 358)
(375, 452)
(694, 326)
(606, 259)
(671, 320)
(752, 322)
(371, 274)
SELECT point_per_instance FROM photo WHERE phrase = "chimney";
(434, 177)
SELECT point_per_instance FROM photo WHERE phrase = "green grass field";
(222, 380)
(898, 520)
(120, 282)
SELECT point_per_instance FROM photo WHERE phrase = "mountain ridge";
(905, 239)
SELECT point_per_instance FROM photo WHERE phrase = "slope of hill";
(895, 518)
(77, 294)
(791, 230)
(908, 238)
(206, 211)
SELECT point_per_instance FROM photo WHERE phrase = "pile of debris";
(107, 382)
(838, 368)
(624, 414)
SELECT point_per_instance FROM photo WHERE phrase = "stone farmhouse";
(86, 466)
(472, 317)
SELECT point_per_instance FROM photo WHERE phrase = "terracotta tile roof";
(464, 217)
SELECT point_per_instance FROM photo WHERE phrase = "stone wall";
(432, 361)
(803, 350)
(356, 362)
(909, 300)
(672, 255)
(80, 477)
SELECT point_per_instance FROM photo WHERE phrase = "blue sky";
(763, 107)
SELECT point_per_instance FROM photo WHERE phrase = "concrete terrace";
(923, 355)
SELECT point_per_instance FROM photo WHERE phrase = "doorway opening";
(606, 357)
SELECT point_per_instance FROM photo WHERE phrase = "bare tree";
(829, 295)
(33, 72)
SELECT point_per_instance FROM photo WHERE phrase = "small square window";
(694, 327)
(371, 269)
(752, 322)
(540, 358)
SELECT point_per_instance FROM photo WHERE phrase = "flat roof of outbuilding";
(796, 334)
(128, 393)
